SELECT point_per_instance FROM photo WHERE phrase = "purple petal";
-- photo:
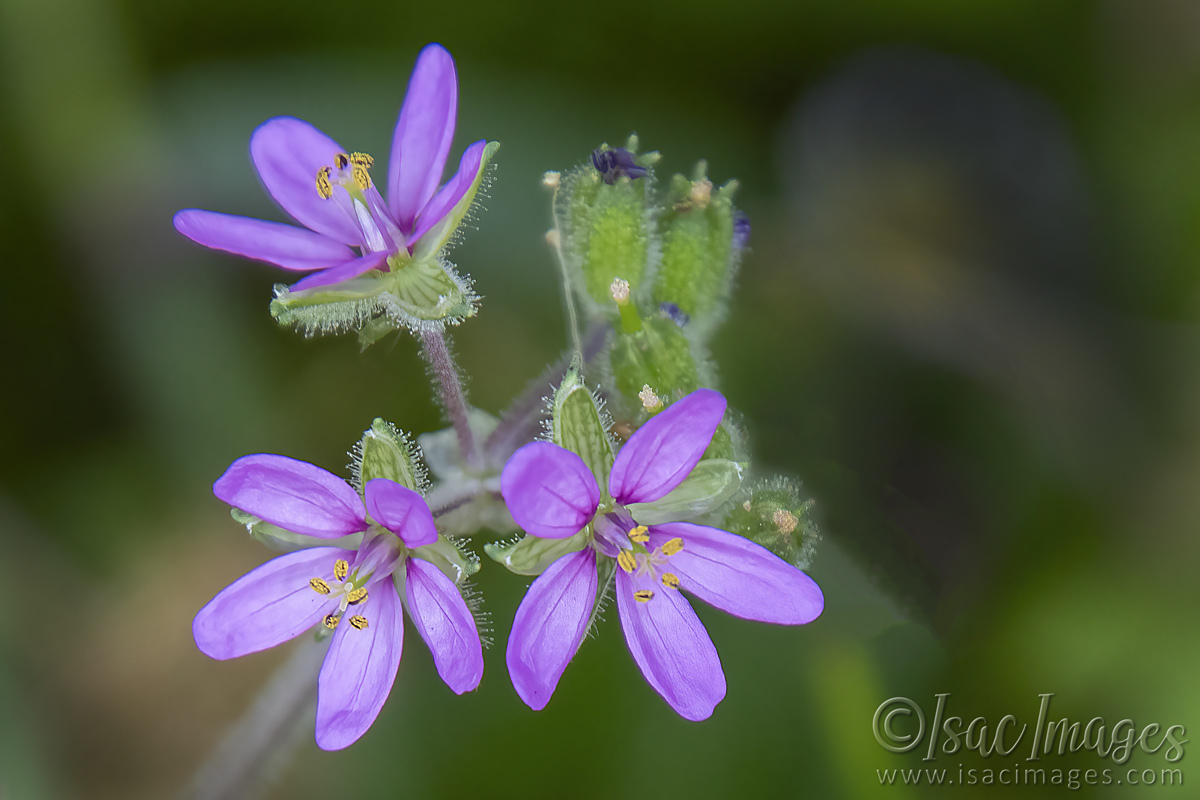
(663, 452)
(267, 606)
(423, 134)
(550, 625)
(736, 575)
(343, 272)
(445, 623)
(287, 153)
(274, 242)
(672, 648)
(447, 201)
(402, 511)
(550, 492)
(292, 494)
(359, 670)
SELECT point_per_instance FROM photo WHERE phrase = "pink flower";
(356, 593)
(349, 228)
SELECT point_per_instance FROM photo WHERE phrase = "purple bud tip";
(674, 313)
(615, 163)
(741, 231)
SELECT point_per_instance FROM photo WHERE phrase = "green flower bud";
(658, 356)
(386, 452)
(579, 424)
(773, 515)
(699, 254)
(606, 213)
(710, 485)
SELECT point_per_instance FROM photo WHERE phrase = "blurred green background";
(969, 323)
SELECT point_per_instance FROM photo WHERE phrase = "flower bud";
(607, 220)
(386, 452)
(658, 355)
(773, 515)
(579, 424)
(702, 239)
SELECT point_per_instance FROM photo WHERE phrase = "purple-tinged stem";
(522, 421)
(454, 397)
(263, 741)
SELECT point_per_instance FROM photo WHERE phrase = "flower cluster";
(630, 506)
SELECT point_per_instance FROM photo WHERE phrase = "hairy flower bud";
(773, 515)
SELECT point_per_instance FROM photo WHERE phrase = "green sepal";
(414, 294)
(441, 234)
(286, 541)
(773, 515)
(579, 424)
(698, 257)
(709, 486)
(658, 356)
(530, 555)
(387, 452)
(446, 555)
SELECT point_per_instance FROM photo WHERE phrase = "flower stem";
(454, 397)
(262, 742)
(522, 421)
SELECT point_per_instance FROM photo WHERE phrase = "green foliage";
(658, 356)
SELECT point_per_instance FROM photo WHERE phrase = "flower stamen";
(670, 580)
(358, 621)
(331, 621)
(319, 586)
(643, 595)
(340, 568)
(324, 187)
(640, 534)
(357, 596)
(672, 546)
(627, 561)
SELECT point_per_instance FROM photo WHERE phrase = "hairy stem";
(454, 397)
(262, 742)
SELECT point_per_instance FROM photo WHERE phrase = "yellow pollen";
(670, 580)
(362, 160)
(361, 177)
(627, 561)
(319, 586)
(357, 596)
(340, 568)
(785, 520)
(639, 534)
(331, 621)
(324, 187)
(358, 621)
(341, 160)
(672, 546)
(643, 595)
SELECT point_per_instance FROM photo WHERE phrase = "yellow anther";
(331, 621)
(341, 160)
(361, 177)
(340, 568)
(358, 621)
(670, 580)
(672, 546)
(324, 187)
(362, 160)
(627, 561)
(643, 595)
(319, 586)
(639, 534)
(357, 596)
